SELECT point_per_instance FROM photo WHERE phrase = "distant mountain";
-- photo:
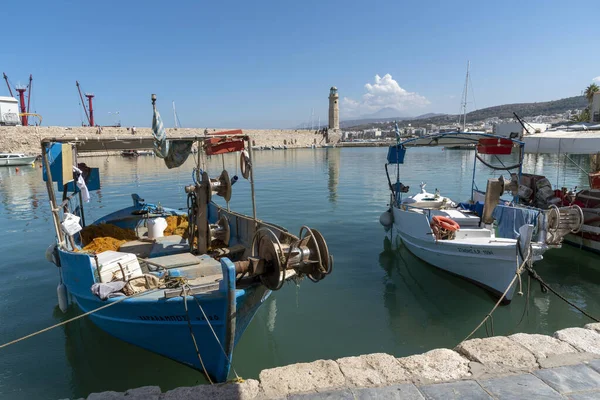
(502, 111)
(428, 115)
(387, 112)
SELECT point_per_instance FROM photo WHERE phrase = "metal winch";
(270, 258)
(562, 221)
(201, 232)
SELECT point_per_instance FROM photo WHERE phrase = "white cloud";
(385, 92)
(596, 79)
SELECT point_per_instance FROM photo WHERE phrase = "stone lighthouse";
(334, 134)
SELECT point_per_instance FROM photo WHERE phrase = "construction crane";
(89, 110)
(24, 114)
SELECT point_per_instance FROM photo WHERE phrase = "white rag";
(85, 193)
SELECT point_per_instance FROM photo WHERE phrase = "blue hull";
(161, 325)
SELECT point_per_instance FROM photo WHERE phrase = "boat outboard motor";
(493, 191)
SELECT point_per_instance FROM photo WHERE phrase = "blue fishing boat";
(181, 283)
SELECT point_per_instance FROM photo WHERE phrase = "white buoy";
(386, 219)
(61, 292)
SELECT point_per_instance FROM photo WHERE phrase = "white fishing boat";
(461, 238)
(15, 159)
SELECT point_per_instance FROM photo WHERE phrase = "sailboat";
(462, 116)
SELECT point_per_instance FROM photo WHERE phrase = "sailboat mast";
(464, 99)
(175, 115)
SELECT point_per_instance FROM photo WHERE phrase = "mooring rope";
(489, 315)
(189, 322)
(237, 377)
(526, 261)
(538, 278)
(77, 317)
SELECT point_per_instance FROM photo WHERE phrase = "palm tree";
(589, 92)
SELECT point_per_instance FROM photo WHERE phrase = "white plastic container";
(156, 227)
(112, 265)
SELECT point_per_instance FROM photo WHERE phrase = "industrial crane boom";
(83, 103)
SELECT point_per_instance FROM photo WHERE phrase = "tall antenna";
(463, 105)
(312, 118)
(319, 123)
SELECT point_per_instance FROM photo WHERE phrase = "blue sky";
(266, 64)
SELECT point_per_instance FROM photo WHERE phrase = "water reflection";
(92, 353)
(332, 158)
(375, 301)
(423, 301)
(20, 192)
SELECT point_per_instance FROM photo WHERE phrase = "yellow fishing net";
(177, 225)
(103, 237)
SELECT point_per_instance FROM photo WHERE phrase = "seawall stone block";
(303, 377)
(498, 354)
(372, 369)
(582, 339)
(595, 326)
(437, 365)
(542, 346)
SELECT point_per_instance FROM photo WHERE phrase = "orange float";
(445, 223)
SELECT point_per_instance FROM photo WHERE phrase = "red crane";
(21, 90)
(89, 110)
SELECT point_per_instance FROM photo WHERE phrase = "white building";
(372, 133)
(9, 111)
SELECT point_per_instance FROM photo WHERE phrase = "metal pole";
(252, 182)
(473, 181)
(521, 157)
(51, 194)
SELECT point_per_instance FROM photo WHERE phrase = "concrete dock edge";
(565, 365)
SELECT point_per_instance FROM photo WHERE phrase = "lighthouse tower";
(334, 134)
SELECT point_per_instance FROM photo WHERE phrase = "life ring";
(445, 223)
(245, 164)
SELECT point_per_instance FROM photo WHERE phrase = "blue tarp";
(476, 207)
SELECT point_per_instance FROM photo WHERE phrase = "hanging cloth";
(510, 219)
(174, 153)
(80, 182)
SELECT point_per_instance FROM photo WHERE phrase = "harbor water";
(376, 299)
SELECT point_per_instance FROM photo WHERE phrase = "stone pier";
(522, 366)
(26, 139)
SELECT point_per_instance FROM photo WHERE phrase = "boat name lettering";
(475, 251)
(170, 318)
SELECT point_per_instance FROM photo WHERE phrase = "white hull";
(8, 162)
(489, 262)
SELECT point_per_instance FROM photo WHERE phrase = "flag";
(161, 145)
(397, 130)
